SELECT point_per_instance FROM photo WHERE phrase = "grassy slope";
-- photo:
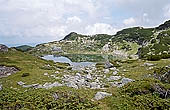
(14, 96)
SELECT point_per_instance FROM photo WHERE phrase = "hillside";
(34, 83)
(24, 48)
(140, 41)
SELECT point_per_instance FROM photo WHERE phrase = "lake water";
(64, 59)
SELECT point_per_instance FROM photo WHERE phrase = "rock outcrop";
(101, 95)
(3, 48)
(6, 71)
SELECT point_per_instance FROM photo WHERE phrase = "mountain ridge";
(130, 41)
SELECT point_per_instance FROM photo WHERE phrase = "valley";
(126, 71)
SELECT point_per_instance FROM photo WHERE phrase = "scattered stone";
(20, 83)
(163, 93)
(148, 64)
(3, 48)
(114, 69)
(101, 95)
(150, 68)
(57, 72)
(126, 80)
(55, 96)
(108, 65)
(78, 74)
(45, 74)
(115, 72)
(0, 87)
(114, 78)
(94, 85)
(72, 84)
(122, 82)
(163, 74)
(50, 85)
(106, 71)
(89, 77)
(124, 70)
(6, 71)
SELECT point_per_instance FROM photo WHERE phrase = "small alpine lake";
(80, 60)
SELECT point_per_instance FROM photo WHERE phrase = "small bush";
(154, 57)
(25, 74)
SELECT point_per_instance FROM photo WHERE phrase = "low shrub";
(154, 57)
(25, 74)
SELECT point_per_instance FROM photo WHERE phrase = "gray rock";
(6, 71)
(161, 91)
(114, 78)
(30, 86)
(148, 64)
(126, 80)
(0, 87)
(106, 71)
(94, 85)
(3, 48)
(55, 96)
(27, 86)
(57, 49)
(45, 74)
(78, 74)
(114, 69)
(72, 84)
(108, 65)
(89, 77)
(50, 85)
(20, 83)
(122, 82)
(57, 72)
(101, 95)
(115, 72)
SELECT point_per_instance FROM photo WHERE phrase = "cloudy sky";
(37, 21)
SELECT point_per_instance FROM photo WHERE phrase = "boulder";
(163, 74)
(163, 93)
(50, 85)
(89, 77)
(126, 80)
(6, 71)
(122, 82)
(20, 83)
(72, 84)
(101, 95)
(0, 87)
(114, 78)
(108, 65)
(148, 64)
(106, 71)
(115, 72)
(55, 96)
(3, 48)
(45, 74)
(94, 85)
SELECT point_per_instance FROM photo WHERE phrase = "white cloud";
(129, 22)
(73, 19)
(53, 19)
(100, 28)
(166, 10)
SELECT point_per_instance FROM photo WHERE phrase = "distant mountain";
(127, 42)
(24, 48)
